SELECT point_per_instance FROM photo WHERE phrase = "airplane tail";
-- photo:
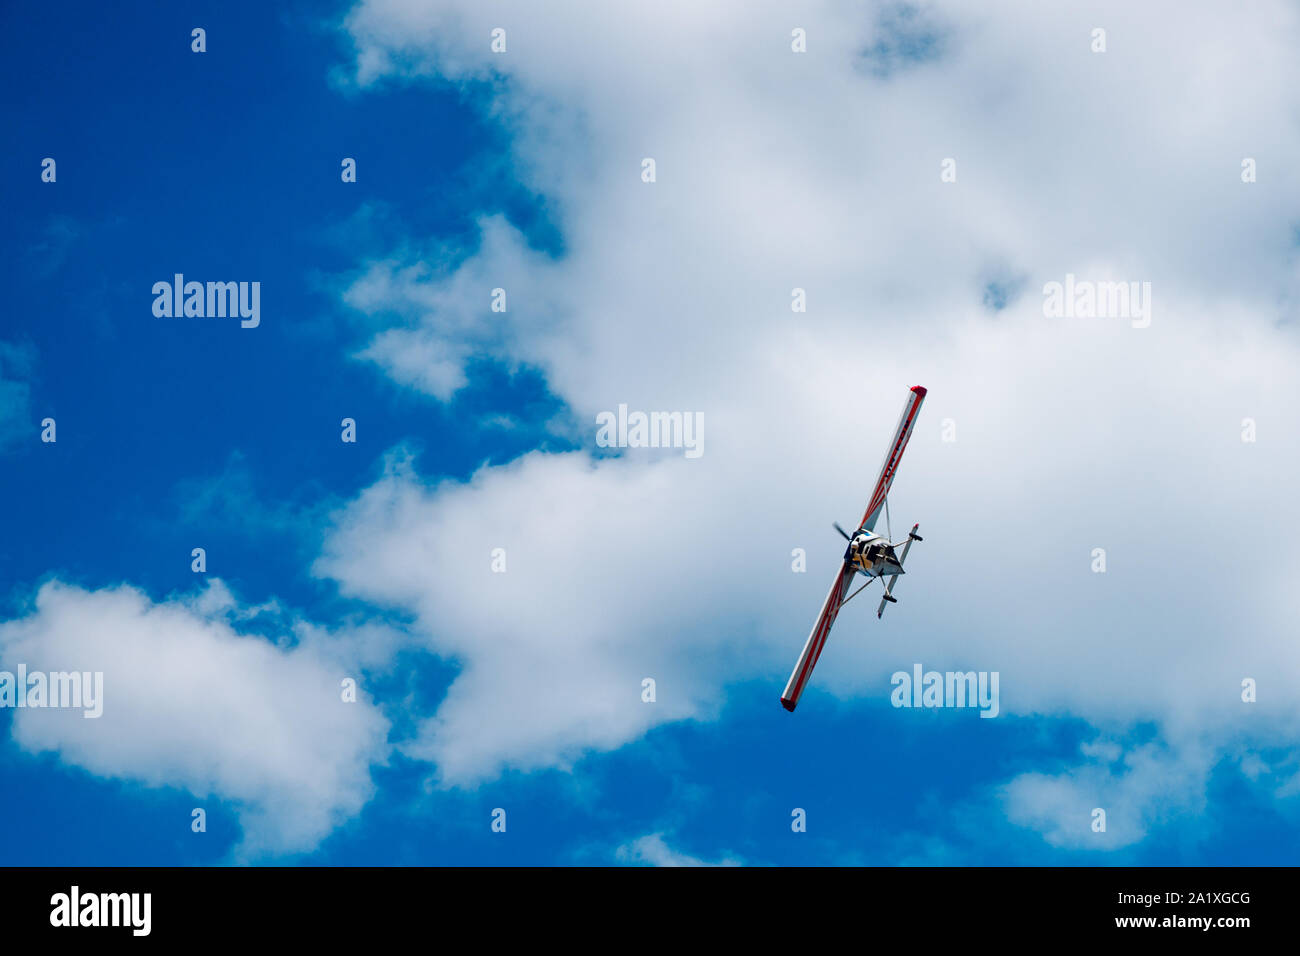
(888, 596)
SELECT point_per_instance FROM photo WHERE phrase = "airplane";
(868, 553)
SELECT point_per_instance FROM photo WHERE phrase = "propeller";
(842, 532)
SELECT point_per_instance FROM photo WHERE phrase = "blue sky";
(177, 433)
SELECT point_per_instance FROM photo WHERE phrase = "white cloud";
(189, 702)
(444, 321)
(554, 650)
(651, 850)
(1148, 786)
(779, 170)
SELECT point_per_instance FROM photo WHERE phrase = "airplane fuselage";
(872, 554)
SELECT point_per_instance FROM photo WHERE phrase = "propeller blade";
(844, 533)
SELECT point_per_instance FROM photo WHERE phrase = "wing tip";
(920, 390)
(788, 704)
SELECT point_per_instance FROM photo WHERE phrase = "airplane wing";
(817, 639)
(902, 433)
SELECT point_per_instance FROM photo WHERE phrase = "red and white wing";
(893, 456)
(817, 639)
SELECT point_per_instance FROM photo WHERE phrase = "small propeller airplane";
(868, 553)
